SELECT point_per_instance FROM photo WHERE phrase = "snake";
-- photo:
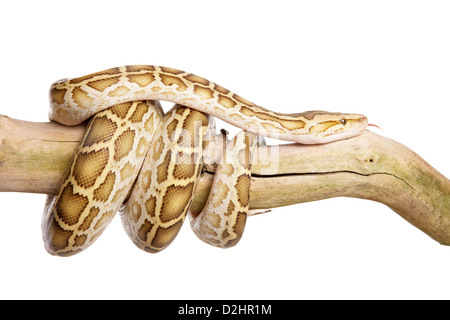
(144, 163)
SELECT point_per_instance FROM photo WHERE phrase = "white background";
(386, 59)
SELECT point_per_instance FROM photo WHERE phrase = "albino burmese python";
(128, 135)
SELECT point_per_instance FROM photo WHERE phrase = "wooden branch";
(34, 157)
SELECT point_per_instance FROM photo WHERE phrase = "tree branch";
(34, 157)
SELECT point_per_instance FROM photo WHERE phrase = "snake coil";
(133, 152)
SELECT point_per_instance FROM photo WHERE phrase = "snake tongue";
(374, 125)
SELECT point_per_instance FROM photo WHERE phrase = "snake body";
(133, 152)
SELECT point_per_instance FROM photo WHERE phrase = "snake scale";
(146, 164)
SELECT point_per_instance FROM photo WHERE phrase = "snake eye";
(343, 121)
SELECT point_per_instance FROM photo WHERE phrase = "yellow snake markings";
(147, 164)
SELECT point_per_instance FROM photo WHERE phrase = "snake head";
(326, 127)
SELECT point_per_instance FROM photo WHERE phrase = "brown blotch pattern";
(146, 178)
(136, 213)
(323, 126)
(221, 89)
(269, 126)
(171, 70)
(112, 71)
(171, 127)
(158, 147)
(242, 100)
(221, 192)
(242, 188)
(179, 109)
(80, 240)
(150, 123)
(309, 115)
(192, 124)
(251, 113)
(142, 80)
(150, 206)
(121, 109)
(185, 166)
(162, 169)
(138, 114)
(127, 171)
(165, 236)
(57, 95)
(225, 234)
(226, 102)
(70, 205)
(104, 219)
(227, 168)
(144, 230)
(89, 166)
(93, 212)
(136, 68)
(176, 201)
(197, 79)
(119, 92)
(204, 93)
(170, 80)
(124, 144)
(59, 237)
(238, 229)
(292, 124)
(214, 220)
(102, 129)
(288, 124)
(243, 157)
(81, 97)
(142, 147)
(102, 84)
(230, 208)
(103, 192)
